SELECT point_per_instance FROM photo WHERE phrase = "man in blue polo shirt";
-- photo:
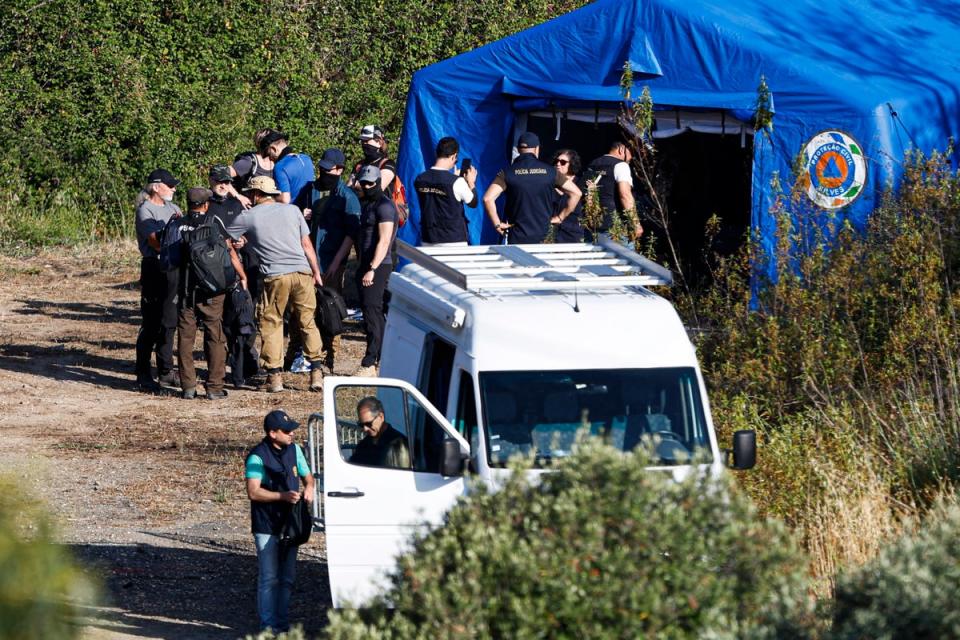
(293, 172)
(273, 471)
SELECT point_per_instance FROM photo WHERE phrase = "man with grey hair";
(158, 288)
(278, 235)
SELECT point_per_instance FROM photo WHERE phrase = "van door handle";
(350, 493)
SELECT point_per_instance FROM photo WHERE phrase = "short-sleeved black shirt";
(372, 213)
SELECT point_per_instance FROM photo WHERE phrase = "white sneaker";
(300, 364)
(366, 372)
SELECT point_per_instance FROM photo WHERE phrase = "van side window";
(466, 420)
(436, 370)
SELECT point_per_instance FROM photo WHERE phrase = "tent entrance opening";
(704, 166)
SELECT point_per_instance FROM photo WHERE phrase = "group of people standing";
(289, 224)
(283, 225)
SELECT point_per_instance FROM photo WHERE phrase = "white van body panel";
(497, 330)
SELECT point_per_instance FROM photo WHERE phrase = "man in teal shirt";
(273, 472)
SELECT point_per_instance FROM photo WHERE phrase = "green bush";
(41, 588)
(909, 591)
(601, 548)
(96, 93)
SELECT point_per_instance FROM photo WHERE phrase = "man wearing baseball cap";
(335, 214)
(273, 471)
(279, 236)
(198, 306)
(529, 187)
(158, 288)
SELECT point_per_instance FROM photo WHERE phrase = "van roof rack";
(604, 265)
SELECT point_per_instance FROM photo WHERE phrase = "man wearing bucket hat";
(280, 238)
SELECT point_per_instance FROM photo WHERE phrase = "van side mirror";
(453, 461)
(744, 449)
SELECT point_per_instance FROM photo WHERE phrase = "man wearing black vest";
(273, 470)
(442, 195)
(615, 186)
(529, 187)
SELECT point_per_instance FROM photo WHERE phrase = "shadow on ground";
(163, 592)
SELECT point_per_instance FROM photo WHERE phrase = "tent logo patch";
(835, 169)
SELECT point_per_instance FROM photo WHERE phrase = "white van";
(496, 351)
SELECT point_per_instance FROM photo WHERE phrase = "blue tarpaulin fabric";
(842, 66)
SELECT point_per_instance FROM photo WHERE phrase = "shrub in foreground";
(909, 590)
(41, 587)
(601, 548)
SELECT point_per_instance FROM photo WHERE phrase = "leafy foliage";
(97, 93)
(909, 590)
(601, 548)
(41, 588)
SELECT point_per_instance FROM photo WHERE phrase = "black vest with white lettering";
(441, 214)
(279, 474)
(606, 187)
(530, 197)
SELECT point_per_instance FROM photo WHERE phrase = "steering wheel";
(666, 434)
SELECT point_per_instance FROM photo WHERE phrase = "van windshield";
(541, 412)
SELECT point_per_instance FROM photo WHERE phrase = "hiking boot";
(147, 385)
(189, 394)
(217, 395)
(366, 372)
(274, 382)
(316, 380)
(328, 364)
(170, 379)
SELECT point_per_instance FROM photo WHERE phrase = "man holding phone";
(443, 194)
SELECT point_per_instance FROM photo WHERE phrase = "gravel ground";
(147, 489)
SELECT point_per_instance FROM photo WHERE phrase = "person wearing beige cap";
(280, 238)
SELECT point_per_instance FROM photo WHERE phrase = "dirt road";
(147, 489)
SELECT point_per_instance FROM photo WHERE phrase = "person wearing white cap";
(374, 145)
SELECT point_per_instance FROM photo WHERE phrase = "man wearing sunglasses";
(382, 445)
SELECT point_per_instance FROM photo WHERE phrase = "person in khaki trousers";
(279, 237)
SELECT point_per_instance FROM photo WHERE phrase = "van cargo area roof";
(494, 268)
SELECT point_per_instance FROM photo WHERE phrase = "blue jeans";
(277, 568)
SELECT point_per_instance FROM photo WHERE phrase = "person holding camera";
(443, 194)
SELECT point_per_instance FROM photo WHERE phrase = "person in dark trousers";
(158, 288)
(374, 240)
(529, 187)
(442, 195)
(615, 186)
(199, 307)
(567, 162)
(334, 217)
(382, 445)
(273, 472)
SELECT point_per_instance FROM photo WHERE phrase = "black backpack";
(208, 259)
(171, 244)
(298, 525)
(331, 311)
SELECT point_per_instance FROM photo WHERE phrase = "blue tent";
(854, 84)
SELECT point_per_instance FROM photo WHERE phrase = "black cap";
(332, 157)
(278, 420)
(528, 140)
(164, 176)
(196, 196)
(220, 173)
(270, 138)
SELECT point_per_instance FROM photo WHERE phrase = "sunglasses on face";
(367, 425)
(367, 185)
(561, 161)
